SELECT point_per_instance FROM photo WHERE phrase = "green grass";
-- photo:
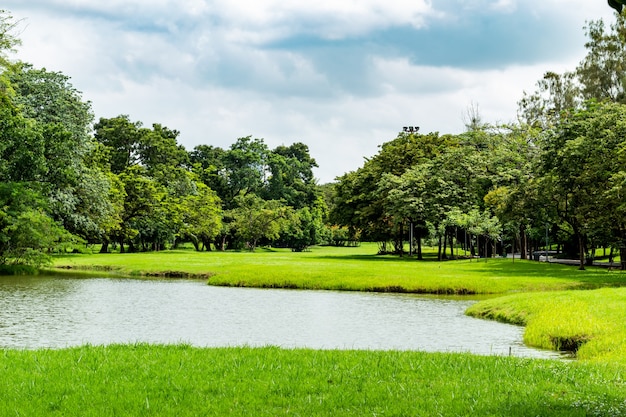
(355, 269)
(591, 322)
(143, 380)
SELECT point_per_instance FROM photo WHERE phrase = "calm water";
(58, 312)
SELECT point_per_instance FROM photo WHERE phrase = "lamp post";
(411, 130)
(547, 242)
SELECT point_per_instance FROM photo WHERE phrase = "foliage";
(27, 233)
(256, 219)
(202, 216)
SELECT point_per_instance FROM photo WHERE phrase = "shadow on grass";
(378, 258)
(591, 278)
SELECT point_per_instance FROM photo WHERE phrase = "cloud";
(342, 76)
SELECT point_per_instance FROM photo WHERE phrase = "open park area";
(561, 307)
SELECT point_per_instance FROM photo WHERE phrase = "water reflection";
(58, 312)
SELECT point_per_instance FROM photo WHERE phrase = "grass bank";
(354, 269)
(589, 322)
(143, 380)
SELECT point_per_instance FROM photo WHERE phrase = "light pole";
(411, 129)
(547, 242)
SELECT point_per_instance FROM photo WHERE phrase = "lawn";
(150, 380)
(355, 269)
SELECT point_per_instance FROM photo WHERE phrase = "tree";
(143, 196)
(291, 176)
(602, 73)
(555, 95)
(617, 5)
(121, 139)
(582, 167)
(360, 202)
(27, 232)
(256, 219)
(245, 169)
(61, 154)
(202, 217)
(209, 165)
(305, 227)
(8, 38)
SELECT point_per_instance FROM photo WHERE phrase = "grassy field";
(560, 306)
(142, 380)
(355, 269)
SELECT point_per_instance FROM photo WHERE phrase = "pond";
(55, 312)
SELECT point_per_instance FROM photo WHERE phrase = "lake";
(57, 312)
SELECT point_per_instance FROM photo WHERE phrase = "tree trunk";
(452, 236)
(439, 250)
(486, 245)
(513, 248)
(524, 245)
(195, 242)
(419, 244)
(622, 260)
(581, 252)
(105, 247)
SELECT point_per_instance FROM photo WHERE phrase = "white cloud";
(203, 67)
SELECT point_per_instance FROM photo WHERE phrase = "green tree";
(202, 217)
(8, 37)
(305, 227)
(602, 73)
(143, 196)
(27, 232)
(209, 164)
(120, 138)
(360, 202)
(255, 219)
(291, 176)
(582, 168)
(245, 169)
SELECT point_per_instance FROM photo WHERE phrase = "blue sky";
(342, 76)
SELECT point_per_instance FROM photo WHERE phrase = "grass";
(354, 269)
(149, 380)
(143, 380)
(588, 322)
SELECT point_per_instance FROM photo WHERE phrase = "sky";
(341, 76)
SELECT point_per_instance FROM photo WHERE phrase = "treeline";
(558, 177)
(66, 181)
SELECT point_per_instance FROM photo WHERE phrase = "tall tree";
(291, 176)
(602, 73)
(121, 139)
(8, 37)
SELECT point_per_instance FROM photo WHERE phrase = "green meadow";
(561, 307)
(150, 380)
(350, 269)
